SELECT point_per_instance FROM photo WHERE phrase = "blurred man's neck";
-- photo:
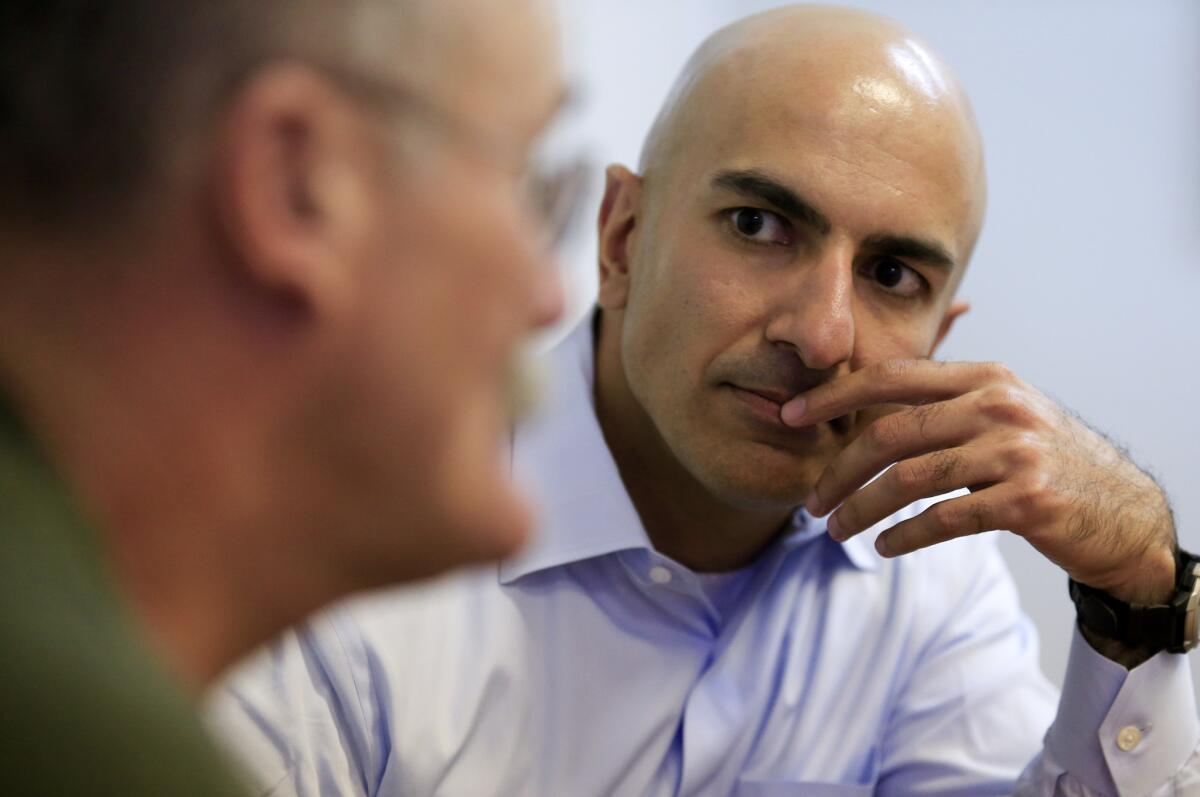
(124, 400)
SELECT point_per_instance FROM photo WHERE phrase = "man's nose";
(814, 313)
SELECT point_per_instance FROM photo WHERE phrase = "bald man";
(690, 620)
(263, 271)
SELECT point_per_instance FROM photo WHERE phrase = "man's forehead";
(810, 144)
(841, 102)
(857, 162)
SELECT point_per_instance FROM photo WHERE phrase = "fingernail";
(881, 545)
(793, 412)
(813, 504)
(835, 528)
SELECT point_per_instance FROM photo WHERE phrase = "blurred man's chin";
(495, 525)
(468, 534)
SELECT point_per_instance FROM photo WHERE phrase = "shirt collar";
(858, 552)
(561, 458)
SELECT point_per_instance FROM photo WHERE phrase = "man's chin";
(760, 492)
(772, 481)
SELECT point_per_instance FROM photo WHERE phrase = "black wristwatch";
(1171, 626)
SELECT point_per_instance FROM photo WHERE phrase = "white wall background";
(1087, 279)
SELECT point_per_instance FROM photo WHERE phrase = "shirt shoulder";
(87, 709)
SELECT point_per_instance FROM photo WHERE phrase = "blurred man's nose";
(814, 314)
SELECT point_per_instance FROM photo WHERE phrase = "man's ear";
(953, 312)
(290, 189)
(618, 220)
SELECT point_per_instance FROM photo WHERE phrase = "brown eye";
(889, 272)
(749, 222)
(759, 226)
(895, 277)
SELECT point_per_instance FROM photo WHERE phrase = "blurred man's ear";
(953, 312)
(290, 186)
(618, 221)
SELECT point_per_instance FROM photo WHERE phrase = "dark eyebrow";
(930, 252)
(759, 185)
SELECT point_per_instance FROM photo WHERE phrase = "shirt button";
(1128, 738)
(660, 575)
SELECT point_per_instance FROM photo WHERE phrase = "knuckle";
(893, 371)
(1048, 502)
(820, 490)
(1025, 453)
(943, 517)
(1030, 499)
(997, 372)
(828, 479)
(884, 434)
(943, 466)
(1035, 498)
(936, 471)
(926, 415)
(909, 476)
(978, 518)
(1007, 404)
(961, 517)
(850, 516)
(917, 421)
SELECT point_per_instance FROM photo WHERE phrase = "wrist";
(1155, 580)
(1132, 632)
(1115, 650)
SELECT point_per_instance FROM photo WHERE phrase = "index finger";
(890, 382)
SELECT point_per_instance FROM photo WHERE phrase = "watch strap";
(1171, 626)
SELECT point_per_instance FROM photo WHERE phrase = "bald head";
(843, 74)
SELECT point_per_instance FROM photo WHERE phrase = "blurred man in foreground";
(686, 623)
(263, 270)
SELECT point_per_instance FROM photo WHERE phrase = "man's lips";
(777, 397)
(763, 403)
(766, 403)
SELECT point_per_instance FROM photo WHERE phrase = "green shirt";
(85, 709)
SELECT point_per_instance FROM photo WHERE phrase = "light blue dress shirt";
(592, 665)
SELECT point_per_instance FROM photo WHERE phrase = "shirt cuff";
(1124, 731)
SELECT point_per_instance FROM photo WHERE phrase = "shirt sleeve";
(293, 716)
(1118, 732)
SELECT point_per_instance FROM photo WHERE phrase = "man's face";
(456, 278)
(793, 235)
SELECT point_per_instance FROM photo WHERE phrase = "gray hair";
(92, 92)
